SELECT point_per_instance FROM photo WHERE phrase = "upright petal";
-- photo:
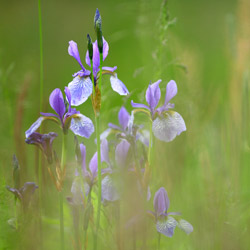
(34, 126)
(171, 91)
(73, 51)
(82, 125)
(166, 227)
(167, 126)
(80, 89)
(93, 165)
(118, 86)
(121, 153)
(153, 94)
(68, 97)
(161, 201)
(57, 103)
(123, 117)
(185, 226)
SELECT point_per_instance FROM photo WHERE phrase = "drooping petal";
(153, 94)
(118, 86)
(185, 226)
(171, 91)
(121, 153)
(139, 105)
(80, 89)
(34, 127)
(109, 191)
(167, 126)
(161, 201)
(166, 226)
(57, 103)
(123, 117)
(105, 151)
(82, 125)
(73, 51)
(93, 165)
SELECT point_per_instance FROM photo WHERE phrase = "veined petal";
(121, 152)
(118, 86)
(109, 191)
(171, 91)
(166, 226)
(81, 125)
(73, 51)
(139, 105)
(185, 226)
(153, 94)
(57, 103)
(80, 89)
(167, 126)
(34, 127)
(123, 117)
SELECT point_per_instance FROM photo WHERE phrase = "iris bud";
(98, 30)
(90, 47)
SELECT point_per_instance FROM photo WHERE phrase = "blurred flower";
(166, 224)
(72, 119)
(166, 124)
(81, 87)
(44, 142)
(24, 194)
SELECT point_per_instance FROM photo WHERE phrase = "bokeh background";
(205, 49)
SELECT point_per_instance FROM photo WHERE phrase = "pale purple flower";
(43, 142)
(165, 223)
(167, 124)
(67, 118)
(81, 87)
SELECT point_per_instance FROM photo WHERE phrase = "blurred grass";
(206, 169)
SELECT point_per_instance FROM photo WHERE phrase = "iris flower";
(81, 87)
(165, 223)
(167, 124)
(67, 118)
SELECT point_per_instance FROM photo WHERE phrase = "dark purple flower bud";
(44, 142)
(98, 30)
(90, 47)
(161, 202)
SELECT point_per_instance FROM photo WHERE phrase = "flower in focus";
(166, 224)
(167, 124)
(67, 118)
(81, 87)
(43, 142)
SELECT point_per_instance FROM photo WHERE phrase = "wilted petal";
(121, 152)
(161, 201)
(139, 105)
(123, 117)
(153, 94)
(118, 86)
(82, 125)
(73, 51)
(167, 126)
(109, 191)
(34, 127)
(93, 165)
(80, 89)
(171, 91)
(57, 103)
(166, 227)
(185, 226)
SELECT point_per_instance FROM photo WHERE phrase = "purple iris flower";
(167, 124)
(67, 118)
(24, 194)
(165, 224)
(44, 142)
(81, 87)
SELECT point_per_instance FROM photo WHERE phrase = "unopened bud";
(90, 47)
(98, 30)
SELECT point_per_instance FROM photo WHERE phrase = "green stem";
(159, 241)
(63, 156)
(150, 143)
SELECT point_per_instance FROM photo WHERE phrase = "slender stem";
(63, 156)
(150, 143)
(159, 241)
